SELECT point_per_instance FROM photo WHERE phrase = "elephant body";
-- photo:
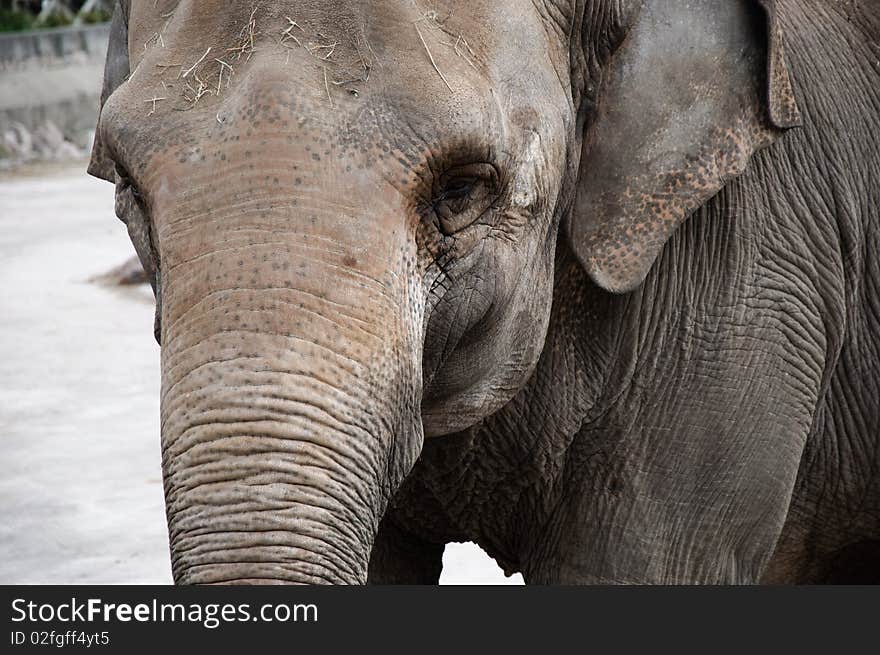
(614, 315)
(624, 459)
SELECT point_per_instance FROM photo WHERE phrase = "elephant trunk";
(291, 387)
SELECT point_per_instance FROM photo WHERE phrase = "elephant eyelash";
(458, 188)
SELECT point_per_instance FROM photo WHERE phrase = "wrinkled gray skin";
(606, 269)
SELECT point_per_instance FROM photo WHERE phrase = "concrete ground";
(80, 481)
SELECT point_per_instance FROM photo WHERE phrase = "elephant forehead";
(447, 54)
(474, 22)
(395, 86)
(265, 116)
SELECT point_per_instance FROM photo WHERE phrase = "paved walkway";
(80, 484)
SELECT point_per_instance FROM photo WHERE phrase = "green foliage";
(95, 16)
(55, 20)
(16, 19)
(12, 20)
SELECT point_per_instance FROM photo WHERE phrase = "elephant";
(590, 283)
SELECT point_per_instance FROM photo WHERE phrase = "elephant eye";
(124, 184)
(463, 196)
(459, 187)
(127, 193)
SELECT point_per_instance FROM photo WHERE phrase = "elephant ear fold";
(784, 112)
(693, 91)
(116, 71)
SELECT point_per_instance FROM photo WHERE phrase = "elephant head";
(350, 213)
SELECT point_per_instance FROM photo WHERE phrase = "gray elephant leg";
(401, 558)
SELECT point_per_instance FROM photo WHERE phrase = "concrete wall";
(43, 48)
(50, 83)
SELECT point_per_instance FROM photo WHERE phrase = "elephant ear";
(116, 71)
(694, 90)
